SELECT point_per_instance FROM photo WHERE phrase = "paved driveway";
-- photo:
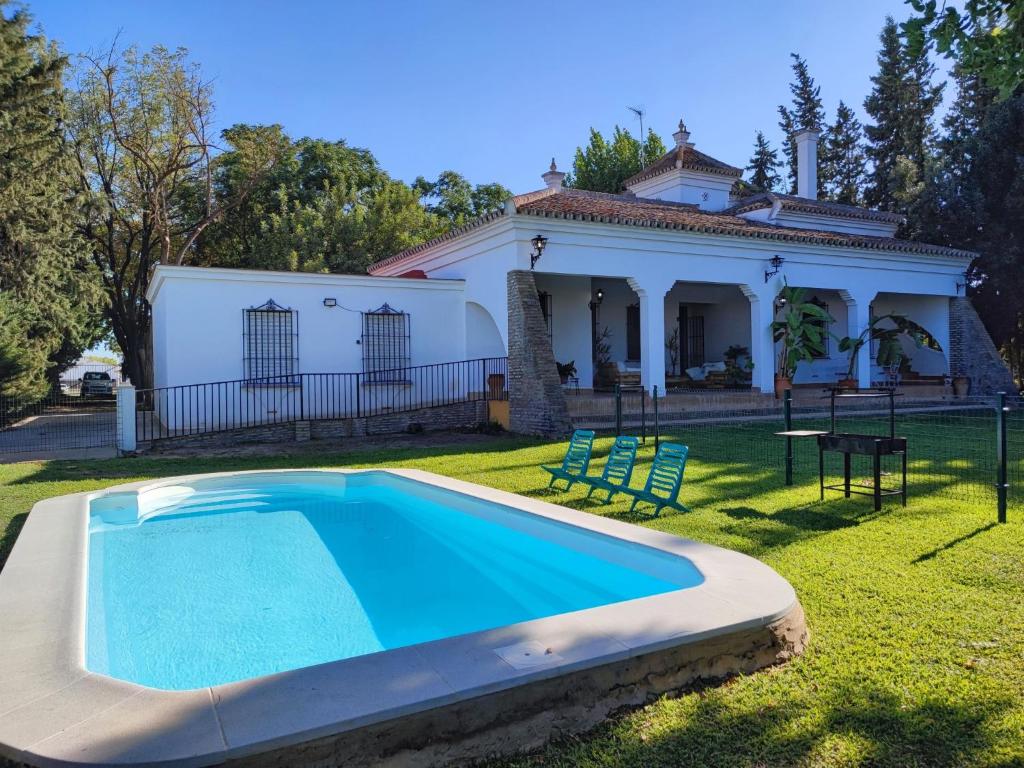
(61, 432)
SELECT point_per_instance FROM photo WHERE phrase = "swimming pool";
(225, 579)
(354, 617)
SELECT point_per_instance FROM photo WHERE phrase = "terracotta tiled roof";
(683, 157)
(821, 207)
(629, 210)
(657, 214)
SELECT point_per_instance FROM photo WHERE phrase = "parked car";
(97, 384)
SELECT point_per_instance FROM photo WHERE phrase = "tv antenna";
(639, 111)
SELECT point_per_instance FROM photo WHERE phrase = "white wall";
(570, 315)
(708, 191)
(483, 338)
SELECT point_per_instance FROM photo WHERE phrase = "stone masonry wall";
(972, 353)
(536, 399)
(456, 416)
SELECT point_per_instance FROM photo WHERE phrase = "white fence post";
(126, 419)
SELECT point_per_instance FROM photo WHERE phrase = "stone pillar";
(858, 315)
(126, 419)
(652, 331)
(762, 346)
(972, 353)
(536, 398)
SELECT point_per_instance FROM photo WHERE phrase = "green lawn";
(916, 616)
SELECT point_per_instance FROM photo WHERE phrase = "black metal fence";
(964, 449)
(196, 409)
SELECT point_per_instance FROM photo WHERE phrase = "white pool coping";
(54, 712)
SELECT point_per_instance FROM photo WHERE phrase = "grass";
(917, 644)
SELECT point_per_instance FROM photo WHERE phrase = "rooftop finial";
(682, 136)
(553, 178)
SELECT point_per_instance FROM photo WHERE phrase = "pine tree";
(901, 104)
(843, 163)
(764, 165)
(806, 112)
(50, 307)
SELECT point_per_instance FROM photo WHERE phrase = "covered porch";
(691, 337)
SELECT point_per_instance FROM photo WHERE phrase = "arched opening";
(483, 339)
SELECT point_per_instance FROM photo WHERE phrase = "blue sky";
(494, 89)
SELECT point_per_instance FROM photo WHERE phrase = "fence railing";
(195, 409)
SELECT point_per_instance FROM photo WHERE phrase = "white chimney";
(682, 136)
(807, 164)
(553, 178)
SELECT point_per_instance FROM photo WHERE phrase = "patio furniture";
(666, 477)
(617, 470)
(572, 383)
(576, 461)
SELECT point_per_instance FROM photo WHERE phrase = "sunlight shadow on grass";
(950, 544)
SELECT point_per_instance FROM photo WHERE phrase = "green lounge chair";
(576, 461)
(666, 476)
(617, 470)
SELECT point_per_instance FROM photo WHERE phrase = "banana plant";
(800, 330)
(890, 351)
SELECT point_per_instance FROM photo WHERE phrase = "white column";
(858, 315)
(126, 419)
(762, 347)
(652, 330)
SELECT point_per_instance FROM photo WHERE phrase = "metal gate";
(62, 425)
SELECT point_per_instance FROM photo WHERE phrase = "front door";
(691, 338)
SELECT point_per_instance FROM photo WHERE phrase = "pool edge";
(80, 718)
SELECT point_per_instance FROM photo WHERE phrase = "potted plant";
(799, 331)
(605, 370)
(889, 350)
(961, 385)
(672, 347)
(738, 365)
(566, 371)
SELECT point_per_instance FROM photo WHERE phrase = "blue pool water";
(230, 578)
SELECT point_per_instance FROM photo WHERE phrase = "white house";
(661, 279)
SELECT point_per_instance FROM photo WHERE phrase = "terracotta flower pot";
(961, 386)
(781, 385)
(847, 383)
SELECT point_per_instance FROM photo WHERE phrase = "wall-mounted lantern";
(598, 298)
(776, 263)
(962, 286)
(539, 243)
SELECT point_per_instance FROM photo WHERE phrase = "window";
(691, 338)
(633, 332)
(386, 344)
(824, 326)
(269, 341)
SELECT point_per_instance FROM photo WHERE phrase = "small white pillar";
(126, 419)
(652, 332)
(858, 315)
(762, 345)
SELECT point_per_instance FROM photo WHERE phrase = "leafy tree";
(139, 123)
(806, 112)
(764, 165)
(986, 38)
(453, 199)
(901, 104)
(843, 163)
(49, 297)
(603, 165)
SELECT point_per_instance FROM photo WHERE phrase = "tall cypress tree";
(764, 165)
(901, 104)
(843, 163)
(806, 112)
(50, 294)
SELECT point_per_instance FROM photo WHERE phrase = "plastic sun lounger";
(617, 470)
(576, 461)
(666, 476)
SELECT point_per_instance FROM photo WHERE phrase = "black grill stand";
(874, 446)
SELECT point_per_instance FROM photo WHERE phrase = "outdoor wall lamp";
(330, 302)
(598, 298)
(776, 263)
(962, 286)
(539, 242)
